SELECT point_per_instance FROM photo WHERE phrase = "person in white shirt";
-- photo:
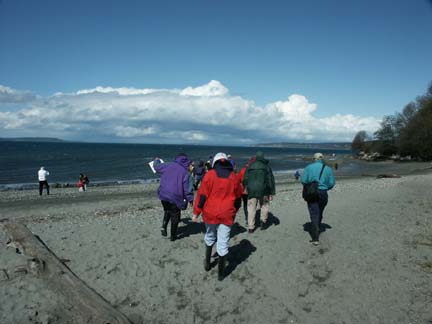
(43, 175)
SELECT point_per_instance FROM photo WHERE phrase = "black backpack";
(310, 190)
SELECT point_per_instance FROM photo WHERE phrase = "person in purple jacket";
(174, 191)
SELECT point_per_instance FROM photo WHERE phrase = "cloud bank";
(206, 114)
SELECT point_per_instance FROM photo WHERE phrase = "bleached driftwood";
(91, 307)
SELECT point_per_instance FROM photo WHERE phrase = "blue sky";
(308, 70)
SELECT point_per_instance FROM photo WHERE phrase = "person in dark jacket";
(218, 200)
(174, 191)
(241, 175)
(260, 186)
(198, 174)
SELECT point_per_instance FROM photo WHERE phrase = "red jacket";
(218, 198)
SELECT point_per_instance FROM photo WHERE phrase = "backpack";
(310, 190)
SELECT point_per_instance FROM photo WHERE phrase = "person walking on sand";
(43, 180)
(319, 172)
(241, 175)
(198, 173)
(174, 191)
(218, 200)
(260, 187)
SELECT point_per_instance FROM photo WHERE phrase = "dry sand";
(374, 264)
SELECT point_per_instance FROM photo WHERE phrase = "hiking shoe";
(164, 232)
(264, 226)
(315, 243)
(250, 231)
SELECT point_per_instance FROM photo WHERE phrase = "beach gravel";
(374, 263)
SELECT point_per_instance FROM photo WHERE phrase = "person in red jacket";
(218, 200)
(245, 194)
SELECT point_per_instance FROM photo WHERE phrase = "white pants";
(220, 234)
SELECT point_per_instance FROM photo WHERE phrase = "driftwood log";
(91, 307)
(388, 176)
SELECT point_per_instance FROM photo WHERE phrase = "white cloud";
(127, 131)
(9, 95)
(203, 114)
(213, 88)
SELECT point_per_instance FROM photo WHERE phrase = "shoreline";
(348, 168)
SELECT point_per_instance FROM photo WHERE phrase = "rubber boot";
(208, 251)
(174, 226)
(165, 224)
(221, 268)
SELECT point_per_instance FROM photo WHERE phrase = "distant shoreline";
(351, 169)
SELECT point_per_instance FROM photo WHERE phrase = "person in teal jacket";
(326, 182)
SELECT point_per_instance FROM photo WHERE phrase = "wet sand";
(374, 264)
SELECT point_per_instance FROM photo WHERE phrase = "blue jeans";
(316, 209)
(220, 234)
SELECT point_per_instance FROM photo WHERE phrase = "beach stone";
(3, 275)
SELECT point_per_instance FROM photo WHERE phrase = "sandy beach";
(374, 264)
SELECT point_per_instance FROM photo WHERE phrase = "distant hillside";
(31, 139)
(326, 146)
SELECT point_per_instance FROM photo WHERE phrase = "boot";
(208, 251)
(221, 268)
(165, 224)
(174, 226)
(315, 233)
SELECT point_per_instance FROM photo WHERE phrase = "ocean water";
(121, 163)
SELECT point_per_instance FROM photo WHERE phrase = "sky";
(209, 72)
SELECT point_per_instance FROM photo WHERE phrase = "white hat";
(318, 156)
(219, 156)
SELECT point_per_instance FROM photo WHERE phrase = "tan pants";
(252, 208)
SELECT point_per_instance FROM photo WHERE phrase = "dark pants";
(245, 200)
(171, 212)
(316, 210)
(41, 185)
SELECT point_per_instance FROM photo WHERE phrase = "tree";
(358, 143)
(387, 136)
(416, 136)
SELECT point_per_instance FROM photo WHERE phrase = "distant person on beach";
(297, 175)
(318, 171)
(244, 193)
(208, 164)
(260, 186)
(83, 182)
(43, 180)
(218, 200)
(86, 182)
(198, 174)
(174, 191)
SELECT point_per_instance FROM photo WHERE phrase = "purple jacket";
(174, 181)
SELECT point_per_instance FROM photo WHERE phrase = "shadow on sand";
(237, 254)
(307, 227)
(189, 228)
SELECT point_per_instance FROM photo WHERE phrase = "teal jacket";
(312, 171)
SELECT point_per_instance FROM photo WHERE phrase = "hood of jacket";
(183, 160)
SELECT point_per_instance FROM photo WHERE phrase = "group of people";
(83, 182)
(43, 181)
(221, 192)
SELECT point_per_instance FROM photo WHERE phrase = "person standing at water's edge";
(174, 191)
(318, 171)
(43, 180)
(260, 186)
(218, 200)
